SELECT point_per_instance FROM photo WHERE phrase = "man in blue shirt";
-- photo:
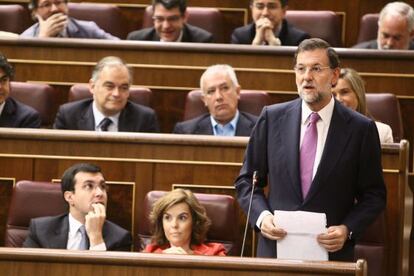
(220, 94)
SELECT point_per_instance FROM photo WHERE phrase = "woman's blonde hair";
(358, 86)
(201, 222)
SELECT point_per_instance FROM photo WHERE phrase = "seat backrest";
(14, 18)
(372, 246)
(368, 27)
(251, 101)
(326, 25)
(221, 209)
(139, 95)
(106, 16)
(384, 107)
(209, 19)
(41, 97)
(31, 199)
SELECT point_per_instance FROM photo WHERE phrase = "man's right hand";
(271, 231)
(52, 26)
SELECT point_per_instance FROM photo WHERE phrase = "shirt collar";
(325, 113)
(233, 122)
(2, 106)
(99, 116)
(74, 225)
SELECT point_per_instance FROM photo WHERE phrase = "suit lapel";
(289, 130)
(244, 126)
(336, 141)
(87, 120)
(204, 126)
(59, 239)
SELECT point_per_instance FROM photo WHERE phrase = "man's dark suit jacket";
(373, 44)
(79, 116)
(16, 114)
(348, 185)
(52, 232)
(289, 35)
(190, 34)
(202, 125)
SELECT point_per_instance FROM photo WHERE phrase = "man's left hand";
(334, 239)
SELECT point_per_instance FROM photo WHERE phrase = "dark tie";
(105, 123)
(308, 152)
(84, 244)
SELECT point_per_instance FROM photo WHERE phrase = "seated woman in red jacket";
(180, 225)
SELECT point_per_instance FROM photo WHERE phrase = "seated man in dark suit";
(53, 21)
(221, 92)
(85, 226)
(12, 112)
(170, 17)
(395, 29)
(269, 27)
(109, 110)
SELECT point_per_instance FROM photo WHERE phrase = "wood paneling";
(41, 262)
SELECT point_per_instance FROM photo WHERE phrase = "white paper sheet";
(302, 229)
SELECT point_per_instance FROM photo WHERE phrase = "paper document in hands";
(302, 228)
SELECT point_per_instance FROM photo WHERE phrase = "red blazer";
(211, 249)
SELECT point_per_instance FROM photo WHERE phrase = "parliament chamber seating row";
(221, 209)
(383, 107)
(323, 24)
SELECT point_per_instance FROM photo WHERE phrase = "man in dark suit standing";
(85, 226)
(109, 110)
(14, 113)
(220, 94)
(269, 27)
(170, 24)
(343, 179)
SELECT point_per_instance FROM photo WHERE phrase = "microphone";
(255, 180)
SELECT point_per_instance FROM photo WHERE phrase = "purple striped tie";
(308, 152)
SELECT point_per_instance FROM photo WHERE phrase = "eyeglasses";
(316, 69)
(169, 19)
(48, 5)
(262, 6)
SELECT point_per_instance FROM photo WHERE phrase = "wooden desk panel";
(45, 262)
(156, 161)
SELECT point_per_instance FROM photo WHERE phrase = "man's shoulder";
(244, 34)
(49, 221)
(292, 35)
(113, 228)
(143, 34)
(138, 108)
(371, 44)
(196, 34)
(190, 126)
(76, 105)
(21, 108)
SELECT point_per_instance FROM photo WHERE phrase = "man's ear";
(68, 196)
(91, 86)
(185, 16)
(203, 98)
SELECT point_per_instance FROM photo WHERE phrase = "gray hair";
(398, 9)
(109, 62)
(219, 68)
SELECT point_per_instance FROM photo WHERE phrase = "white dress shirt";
(99, 117)
(75, 236)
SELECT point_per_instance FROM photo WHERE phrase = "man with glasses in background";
(269, 26)
(170, 24)
(53, 21)
(317, 155)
